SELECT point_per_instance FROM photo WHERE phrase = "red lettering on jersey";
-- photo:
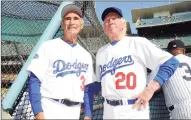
(128, 80)
(83, 82)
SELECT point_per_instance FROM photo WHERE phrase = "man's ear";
(184, 51)
(62, 25)
(124, 26)
(82, 25)
(104, 29)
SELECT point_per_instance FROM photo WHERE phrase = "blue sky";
(126, 8)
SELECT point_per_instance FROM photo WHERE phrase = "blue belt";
(120, 102)
(67, 102)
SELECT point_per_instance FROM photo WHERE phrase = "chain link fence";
(23, 22)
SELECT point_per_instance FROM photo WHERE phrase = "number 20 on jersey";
(130, 80)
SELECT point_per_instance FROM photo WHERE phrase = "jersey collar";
(70, 43)
(114, 42)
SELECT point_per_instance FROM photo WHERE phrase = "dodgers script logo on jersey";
(115, 64)
(63, 68)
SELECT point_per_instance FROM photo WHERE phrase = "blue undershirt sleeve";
(166, 70)
(34, 93)
(90, 90)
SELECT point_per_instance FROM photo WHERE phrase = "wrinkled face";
(113, 24)
(72, 23)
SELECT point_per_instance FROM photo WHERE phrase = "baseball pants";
(55, 110)
(123, 112)
(181, 110)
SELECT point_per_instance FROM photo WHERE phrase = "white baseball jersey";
(121, 68)
(62, 69)
(177, 90)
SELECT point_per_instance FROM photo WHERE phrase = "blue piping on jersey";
(34, 93)
(70, 43)
(90, 90)
(166, 70)
(114, 42)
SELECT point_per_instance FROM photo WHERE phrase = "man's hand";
(144, 97)
(87, 118)
(39, 116)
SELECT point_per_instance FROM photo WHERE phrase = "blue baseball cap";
(175, 44)
(109, 10)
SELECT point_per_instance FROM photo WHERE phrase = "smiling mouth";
(112, 28)
(72, 28)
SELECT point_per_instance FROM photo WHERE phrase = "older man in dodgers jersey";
(121, 68)
(60, 71)
(177, 90)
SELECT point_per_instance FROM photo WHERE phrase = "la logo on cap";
(174, 45)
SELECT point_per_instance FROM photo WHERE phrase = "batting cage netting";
(23, 22)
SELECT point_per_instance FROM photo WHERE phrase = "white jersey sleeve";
(98, 59)
(97, 69)
(90, 73)
(149, 53)
(40, 59)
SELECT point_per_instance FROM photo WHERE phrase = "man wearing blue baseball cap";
(109, 10)
(121, 69)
